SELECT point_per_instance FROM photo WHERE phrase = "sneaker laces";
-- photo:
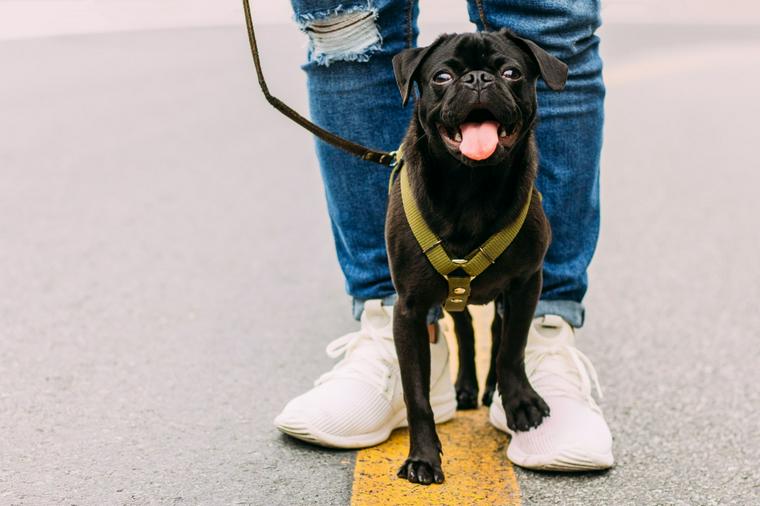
(367, 357)
(566, 372)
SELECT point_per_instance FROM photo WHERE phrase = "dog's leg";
(524, 407)
(495, 342)
(413, 348)
(467, 379)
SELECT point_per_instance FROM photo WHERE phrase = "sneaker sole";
(568, 459)
(444, 408)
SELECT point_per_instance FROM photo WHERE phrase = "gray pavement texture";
(168, 278)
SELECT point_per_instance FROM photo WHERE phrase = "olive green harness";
(474, 263)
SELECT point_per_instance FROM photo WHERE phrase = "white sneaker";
(575, 436)
(360, 401)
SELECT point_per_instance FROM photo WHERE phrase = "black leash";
(362, 152)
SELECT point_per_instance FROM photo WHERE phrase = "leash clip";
(381, 158)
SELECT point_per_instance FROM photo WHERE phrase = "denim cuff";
(435, 313)
(571, 311)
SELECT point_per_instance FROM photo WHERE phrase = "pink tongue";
(479, 140)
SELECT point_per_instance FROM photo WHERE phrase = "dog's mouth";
(479, 135)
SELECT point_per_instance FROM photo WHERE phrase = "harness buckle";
(482, 251)
(459, 293)
(436, 243)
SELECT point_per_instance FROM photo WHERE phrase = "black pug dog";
(470, 159)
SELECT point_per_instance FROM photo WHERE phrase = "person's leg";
(569, 134)
(352, 92)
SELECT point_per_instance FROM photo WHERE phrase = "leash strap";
(474, 264)
(362, 152)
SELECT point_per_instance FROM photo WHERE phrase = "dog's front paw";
(421, 471)
(525, 409)
(467, 397)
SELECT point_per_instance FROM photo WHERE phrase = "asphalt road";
(167, 278)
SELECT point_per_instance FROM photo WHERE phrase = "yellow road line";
(474, 456)
(474, 461)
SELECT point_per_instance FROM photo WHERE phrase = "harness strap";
(474, 264)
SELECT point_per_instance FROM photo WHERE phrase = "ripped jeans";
(352, 92)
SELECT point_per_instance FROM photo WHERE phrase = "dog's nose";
(478, 79)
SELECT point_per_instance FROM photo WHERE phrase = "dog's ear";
(553, 70)
(405, 66)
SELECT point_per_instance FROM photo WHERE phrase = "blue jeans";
(352, 92)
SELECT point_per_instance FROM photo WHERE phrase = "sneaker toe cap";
(573, 438)
(296, 423)
(333, 414)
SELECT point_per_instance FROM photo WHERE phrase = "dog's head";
(477, 94)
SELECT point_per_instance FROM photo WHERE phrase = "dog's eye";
(511, 73)
(442, 77)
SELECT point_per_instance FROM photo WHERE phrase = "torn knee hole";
(347, 36)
